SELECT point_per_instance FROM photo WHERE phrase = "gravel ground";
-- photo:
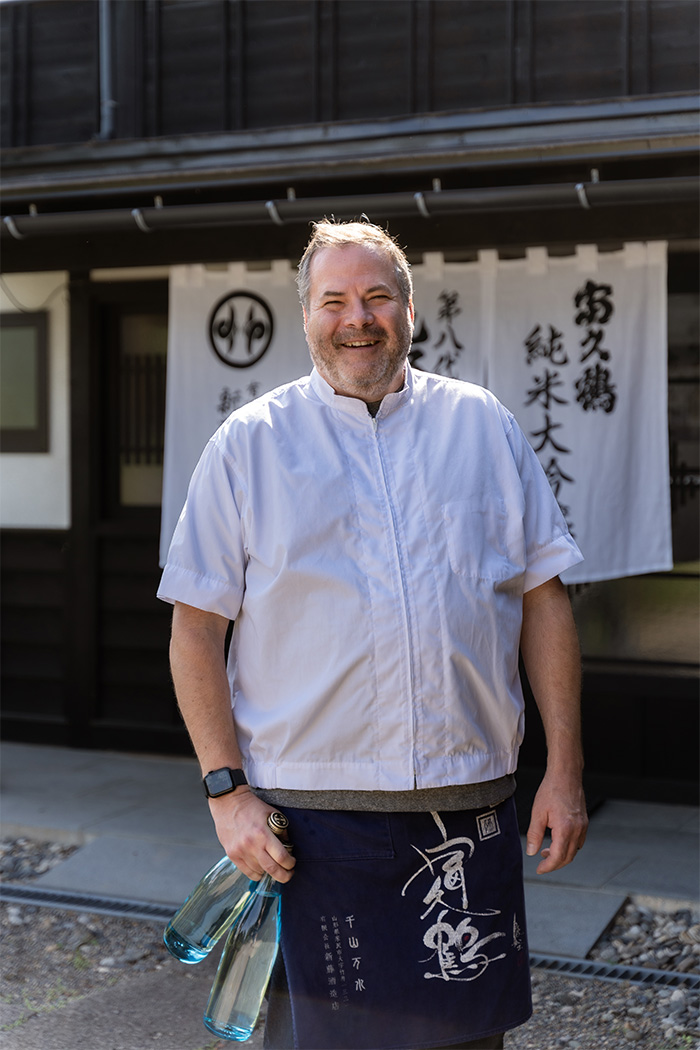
(52, 957)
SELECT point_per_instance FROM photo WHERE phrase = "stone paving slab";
(74, 795)
(647, 816)
(562, 921)
(135, 869)
(616, 857)
(670, 871)
(592, 868)
(186, 820)
(162, 1011)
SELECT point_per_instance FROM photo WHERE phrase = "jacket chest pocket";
(478, 540)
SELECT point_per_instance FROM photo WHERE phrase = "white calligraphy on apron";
(458, 950)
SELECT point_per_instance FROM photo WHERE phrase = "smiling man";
(386, 544)
(358, 321)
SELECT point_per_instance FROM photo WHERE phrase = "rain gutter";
(429, 204)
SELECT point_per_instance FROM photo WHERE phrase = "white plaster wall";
(35, 487)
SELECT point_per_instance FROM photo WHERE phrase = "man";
(385, 542)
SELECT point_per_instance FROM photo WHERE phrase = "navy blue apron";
(405, 930)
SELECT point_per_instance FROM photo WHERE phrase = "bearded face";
(358, 326)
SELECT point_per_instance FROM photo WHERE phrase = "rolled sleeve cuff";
(202, 592)
(551, 561)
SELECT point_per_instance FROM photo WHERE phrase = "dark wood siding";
(52, 76)
(191, 49)
(188, 66)
(131, 701)
(278, 40)
(674, 55)
(471, 56)
(33, 606)
(134, 685)
(372, 53)
(578, 50)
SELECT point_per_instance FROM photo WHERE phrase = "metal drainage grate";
(614, 972)
(85, 902)
(585, 968)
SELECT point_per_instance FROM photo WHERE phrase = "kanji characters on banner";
(579, 356)
(450, 312)
(233, 334)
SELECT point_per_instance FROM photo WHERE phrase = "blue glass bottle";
(208, 912)
(246, 964)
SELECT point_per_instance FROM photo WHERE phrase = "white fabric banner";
(451, 316)
(233, 334)
(579, 355)
(575, 347)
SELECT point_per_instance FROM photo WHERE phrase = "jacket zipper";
(404, 596)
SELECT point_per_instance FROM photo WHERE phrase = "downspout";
(107, 103)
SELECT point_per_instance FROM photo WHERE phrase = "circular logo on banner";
(240, 329)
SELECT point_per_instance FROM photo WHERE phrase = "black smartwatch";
(223, 781)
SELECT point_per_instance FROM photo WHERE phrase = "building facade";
(138, 135)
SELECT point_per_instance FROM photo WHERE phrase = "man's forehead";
(333, 267)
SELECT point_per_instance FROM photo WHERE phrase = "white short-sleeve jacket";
(375, 569)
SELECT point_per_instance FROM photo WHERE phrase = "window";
(142, 358)
(131, 330)
(24, 409)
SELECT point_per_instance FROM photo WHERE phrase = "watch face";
(219, 782)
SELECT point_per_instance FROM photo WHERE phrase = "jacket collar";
(353, 406)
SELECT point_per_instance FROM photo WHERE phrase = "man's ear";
(306, 320)
(411, 310)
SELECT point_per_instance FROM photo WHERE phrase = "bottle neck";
(267, 887)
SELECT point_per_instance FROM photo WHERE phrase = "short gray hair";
(331, 234)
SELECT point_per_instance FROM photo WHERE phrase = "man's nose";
(358, 313)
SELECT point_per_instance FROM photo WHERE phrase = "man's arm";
(550, 649)
(203, 694)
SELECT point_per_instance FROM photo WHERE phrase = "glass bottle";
(248, 957)
(245, 967)
(208, 912)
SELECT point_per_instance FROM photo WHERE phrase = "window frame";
(30, 439)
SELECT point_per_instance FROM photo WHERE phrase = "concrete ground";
(145, 834)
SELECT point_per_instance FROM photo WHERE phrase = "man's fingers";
(242, 826)
(535, 834)
(560, 806)
(255, 865)
(563, 848)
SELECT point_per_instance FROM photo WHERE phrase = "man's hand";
(559, 805)
(241, 825)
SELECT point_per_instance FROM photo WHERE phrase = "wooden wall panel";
(188, 66)
(674, 54)
(133, 635)
(281, 56)
(579, 50)
(373, 71)
(32, 624)
(191, 66)
(472, 54)
(64, 103)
